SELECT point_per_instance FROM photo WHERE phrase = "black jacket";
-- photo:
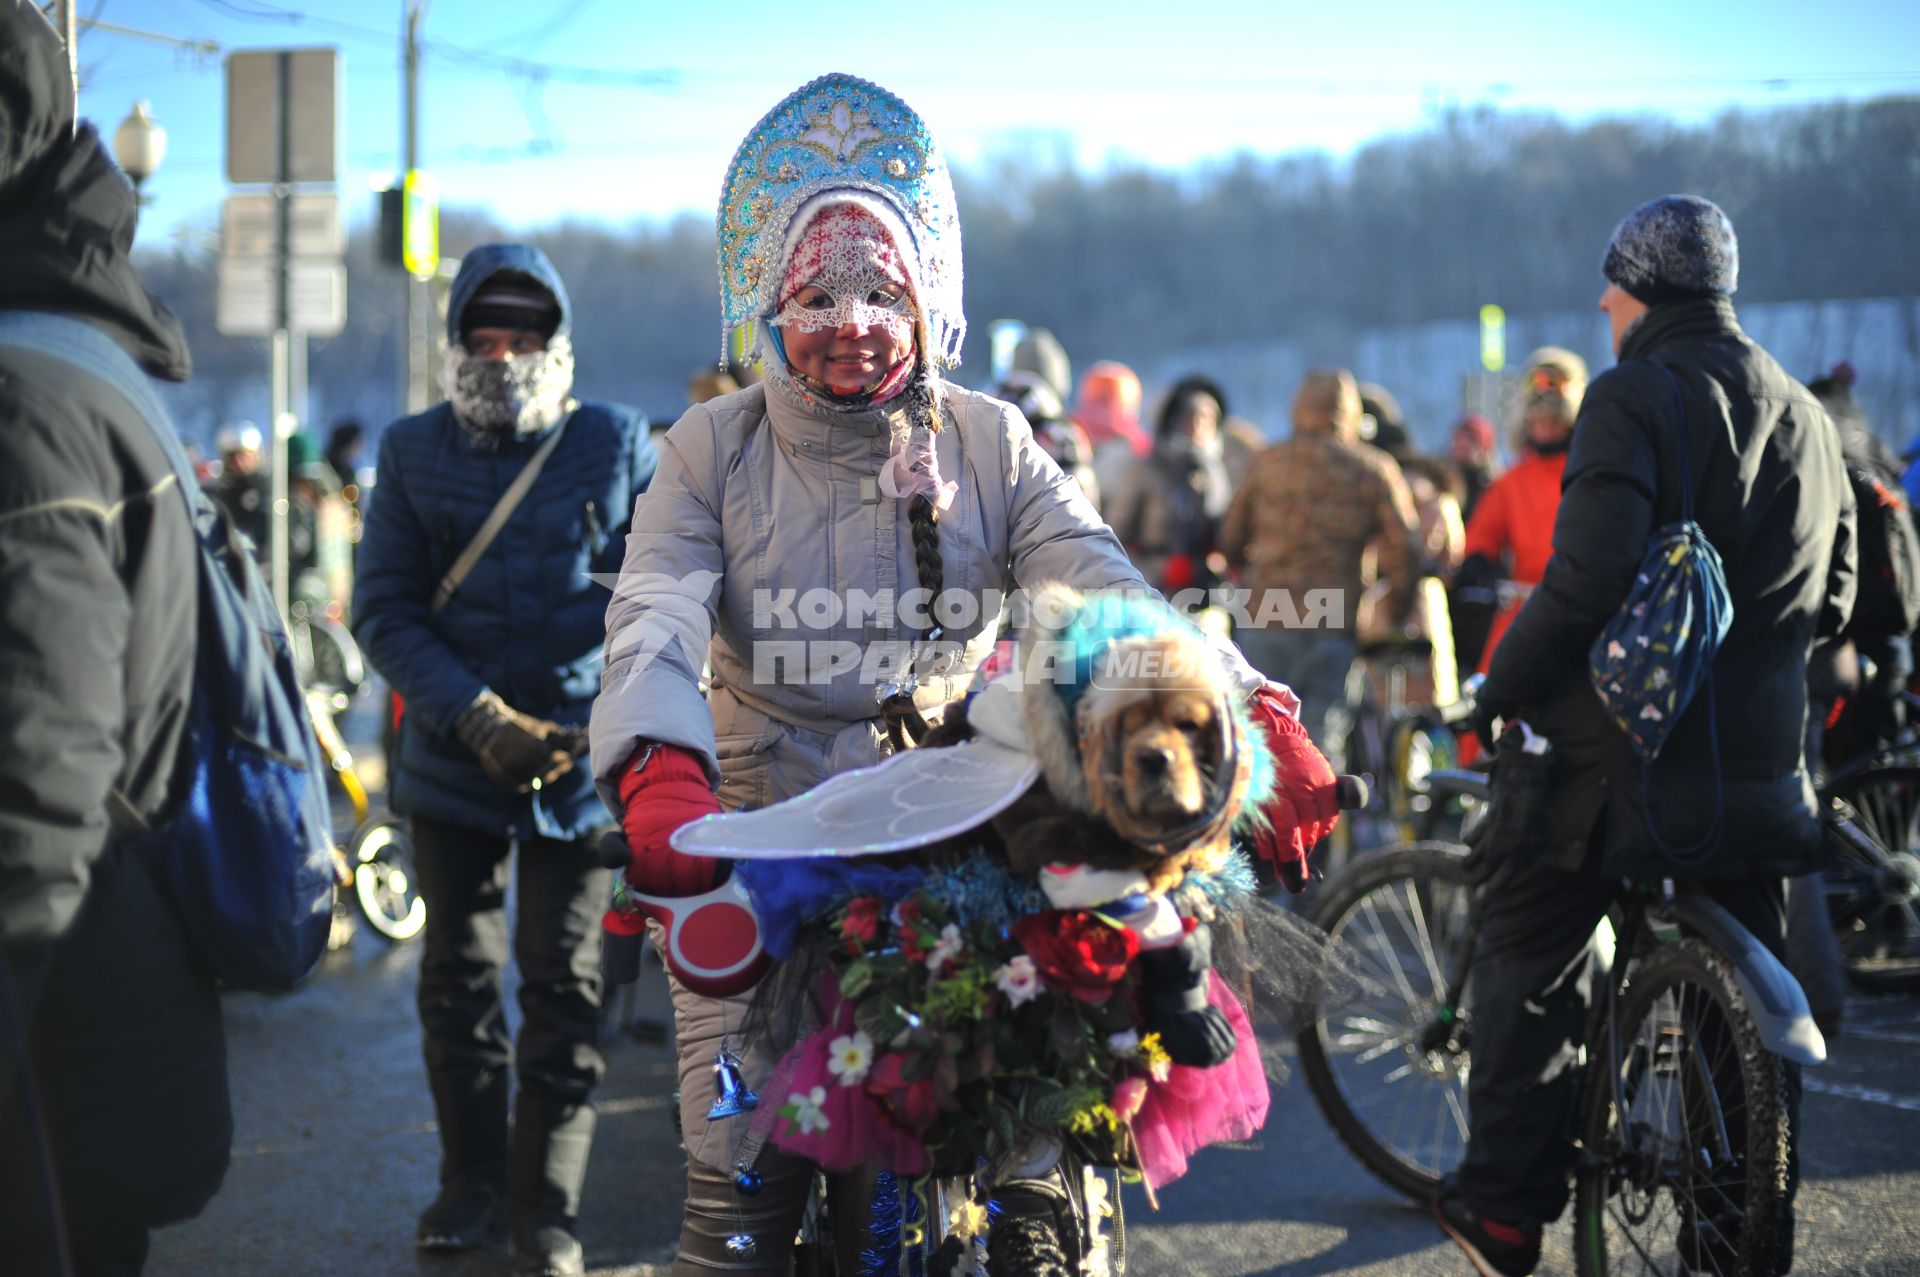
(97, 633)
(1772, 495)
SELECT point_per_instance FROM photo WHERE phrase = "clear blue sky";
(1166, 85)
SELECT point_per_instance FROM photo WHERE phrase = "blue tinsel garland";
(882, 1259)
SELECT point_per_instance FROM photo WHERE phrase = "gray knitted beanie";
(1671, 248)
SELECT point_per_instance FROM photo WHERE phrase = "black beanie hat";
(1675, 247)
(512, 299)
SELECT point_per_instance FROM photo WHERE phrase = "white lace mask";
(845, 269)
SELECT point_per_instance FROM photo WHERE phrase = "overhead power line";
(202, 48)
(457, 55)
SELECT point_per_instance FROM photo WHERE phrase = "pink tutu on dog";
(1194, 1108)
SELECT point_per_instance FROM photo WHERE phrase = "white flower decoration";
(946, 947)
(1018, 980)
(849, 1057)
(808, 1115)
(1124, 1043)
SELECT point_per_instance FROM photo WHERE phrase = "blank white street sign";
(249, 225)
(254, 96)
(316, 297)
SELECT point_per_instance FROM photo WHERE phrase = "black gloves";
(1488, 705)
(518, 751)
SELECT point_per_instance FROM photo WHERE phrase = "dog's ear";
(1210, 743)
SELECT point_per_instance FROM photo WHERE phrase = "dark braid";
(924, 523)
(904, 721)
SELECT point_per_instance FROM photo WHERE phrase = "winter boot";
(470, 1209)
(551, 1139)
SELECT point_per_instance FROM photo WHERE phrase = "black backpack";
(1888, 601)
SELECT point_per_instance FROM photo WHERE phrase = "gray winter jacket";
(764, 537)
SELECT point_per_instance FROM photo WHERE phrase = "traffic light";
(391, 235)
(410, 225)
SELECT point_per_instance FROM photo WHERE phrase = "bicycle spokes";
(1667, 1181)
(1397, 1049)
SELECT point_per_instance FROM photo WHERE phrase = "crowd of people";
(537, 712)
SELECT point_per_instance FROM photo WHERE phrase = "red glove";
(655, 800)
(1305, 805)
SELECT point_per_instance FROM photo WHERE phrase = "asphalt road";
(335, 1153)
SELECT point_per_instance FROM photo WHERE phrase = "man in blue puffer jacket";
(498, 674)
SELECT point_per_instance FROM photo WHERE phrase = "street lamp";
(139, 144)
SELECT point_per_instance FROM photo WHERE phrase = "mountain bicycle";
(1683, 1130)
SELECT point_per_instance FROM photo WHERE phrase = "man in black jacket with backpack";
(1769, 489)
(114, 1113)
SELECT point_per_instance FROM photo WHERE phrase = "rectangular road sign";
(248, 293)
(258, 82)
(250, 226)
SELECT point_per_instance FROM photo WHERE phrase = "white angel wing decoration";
(910, 800)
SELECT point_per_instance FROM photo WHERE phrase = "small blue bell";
(747, 1182)
(742, 1246)
(732, 1098)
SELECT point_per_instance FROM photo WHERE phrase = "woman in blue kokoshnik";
(852, 474)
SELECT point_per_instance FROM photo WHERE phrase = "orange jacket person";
(1512, 525)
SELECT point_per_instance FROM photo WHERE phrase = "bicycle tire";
(1678, 995)
(384, 886)
(1356, 900)
(1040, 1226)
(1875, 904)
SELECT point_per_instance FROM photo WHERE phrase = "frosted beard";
(500, 399)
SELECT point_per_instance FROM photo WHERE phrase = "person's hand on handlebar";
(1489, 707)
(663, 788)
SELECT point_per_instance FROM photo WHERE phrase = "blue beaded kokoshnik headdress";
(838, 133)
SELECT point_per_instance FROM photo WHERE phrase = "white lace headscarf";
(847, 245)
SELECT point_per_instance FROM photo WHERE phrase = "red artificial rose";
(862, 922)
(911, 1102)
(1077, 952)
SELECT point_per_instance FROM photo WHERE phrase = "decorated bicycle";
(1011, 956)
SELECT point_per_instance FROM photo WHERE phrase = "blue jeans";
(1314, 663)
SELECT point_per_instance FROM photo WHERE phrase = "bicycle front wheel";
(1683, 1166)
(1387, 1057)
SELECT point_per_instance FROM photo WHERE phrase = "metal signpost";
(281, 270)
